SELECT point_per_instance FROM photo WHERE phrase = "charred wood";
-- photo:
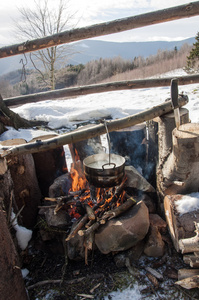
(77, 227)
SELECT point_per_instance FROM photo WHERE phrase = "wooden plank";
(99, 88)
(185, 273)
(83, 134)
(151, 18)
(189, 283)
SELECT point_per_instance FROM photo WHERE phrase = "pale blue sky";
(90, 12)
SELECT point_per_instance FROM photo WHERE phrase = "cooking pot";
(104, 170)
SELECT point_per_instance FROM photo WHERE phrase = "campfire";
(90, 207)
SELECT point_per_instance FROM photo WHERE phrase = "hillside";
(93, 49)
(96, 71)
(87, 50)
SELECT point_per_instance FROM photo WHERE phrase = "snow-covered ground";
(117, 104)
(67, 113)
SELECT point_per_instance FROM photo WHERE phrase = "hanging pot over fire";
(104, 170)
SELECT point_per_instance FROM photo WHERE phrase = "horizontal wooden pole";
(99, 88)
(151, 18)
(96, 130)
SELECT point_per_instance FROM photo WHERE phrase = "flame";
(79, 181)
(103, 196)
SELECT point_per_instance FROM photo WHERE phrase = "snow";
(24, 272)
(188, 203)
(23, 234)
(129, 293)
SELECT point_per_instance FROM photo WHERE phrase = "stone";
(157, 221)
(137, 181)
(75, 248)
(155, 246)
(60, 186)
(60, 219)
(125, 231)
(150, 203)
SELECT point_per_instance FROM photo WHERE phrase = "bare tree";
(41, 21)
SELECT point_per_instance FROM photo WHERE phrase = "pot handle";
(109, 165)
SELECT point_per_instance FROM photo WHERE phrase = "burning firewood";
(78, 226)
(120, 209)
(90, 212)
(107, 216)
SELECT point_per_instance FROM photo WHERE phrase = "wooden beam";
(151, 18)
(99, 88)
(83, 134)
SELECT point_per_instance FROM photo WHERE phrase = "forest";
(27, 81)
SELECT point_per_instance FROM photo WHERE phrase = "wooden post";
(26, 189)
(180, 226)
(179, 173)
(11, 281)
(166, 125)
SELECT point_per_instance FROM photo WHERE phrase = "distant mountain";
(88, 50)
(93, 49)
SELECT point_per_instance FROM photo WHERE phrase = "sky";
(89, 12)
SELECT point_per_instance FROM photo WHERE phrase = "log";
(180, 226)
(151, 18)
(77, 227)
(99, 88)
(9, 118)
(96, 130)
(179, 173)
(166, 124)
(11, 281)
(119, 210)
(26, 189)
(185, 273)
(151, 151)
(187, 257)
(190, 244)
(189, 283)
(90, 212)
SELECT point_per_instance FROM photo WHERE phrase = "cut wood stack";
(182, 228)
(189, 278)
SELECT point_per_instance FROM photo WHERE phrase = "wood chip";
(86, 296)
(155, 273)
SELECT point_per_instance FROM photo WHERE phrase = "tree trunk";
(9, 118)
(179, 173)
(26, 188)
(166, 125)
(180, 226)
(11, 281)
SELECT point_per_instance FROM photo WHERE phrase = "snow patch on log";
(188, 203)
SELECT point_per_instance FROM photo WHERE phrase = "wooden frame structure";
(160, 16)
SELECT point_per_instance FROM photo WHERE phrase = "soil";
(101, 276)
